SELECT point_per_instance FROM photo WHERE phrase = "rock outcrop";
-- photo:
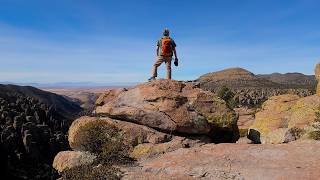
(172, 106)
(168, 127)
(108, 96)
(285, 118)
(140, 141)
(133, 134)
(147, 121)
(66, 160)
(252, 90)
(33, 126)
(297, 160)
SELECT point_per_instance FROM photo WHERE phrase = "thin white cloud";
(26, 56)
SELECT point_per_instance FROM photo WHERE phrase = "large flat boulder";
(92, 133)
(81, 131)
(172, 106)
(295, 160)
(285, 118)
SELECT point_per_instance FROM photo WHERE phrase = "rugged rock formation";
(252, 90)
(285, 118)
(298, 160)
(173, 106)
(33, 124)
(66, 108)
(149, 120)
(167, 127)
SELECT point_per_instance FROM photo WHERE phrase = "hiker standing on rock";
(166, 47)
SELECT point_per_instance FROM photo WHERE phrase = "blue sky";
(110, 41)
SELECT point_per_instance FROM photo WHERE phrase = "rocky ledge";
(287, 118)
(148, 120)
(296, 160)
(170, 129)
(172, 107)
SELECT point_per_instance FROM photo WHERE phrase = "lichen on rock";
(282, 115)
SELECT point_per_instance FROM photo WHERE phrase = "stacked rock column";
(317, 74)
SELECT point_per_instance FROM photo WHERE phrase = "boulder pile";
(175, 130)
(148, 120)
(172, 107)
(287, 118)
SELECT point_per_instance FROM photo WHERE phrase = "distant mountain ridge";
(291, 79)
(251, 90)
(242, 78)
(66, 108)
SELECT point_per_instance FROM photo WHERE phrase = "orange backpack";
(166, 46)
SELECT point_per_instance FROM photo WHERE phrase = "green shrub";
(314, 135)
(317, 115)
(105, 140)
(243, 132)
(227, 95)
(89, 172)
(297, 132)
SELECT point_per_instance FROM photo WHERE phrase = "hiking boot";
(151, 79)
